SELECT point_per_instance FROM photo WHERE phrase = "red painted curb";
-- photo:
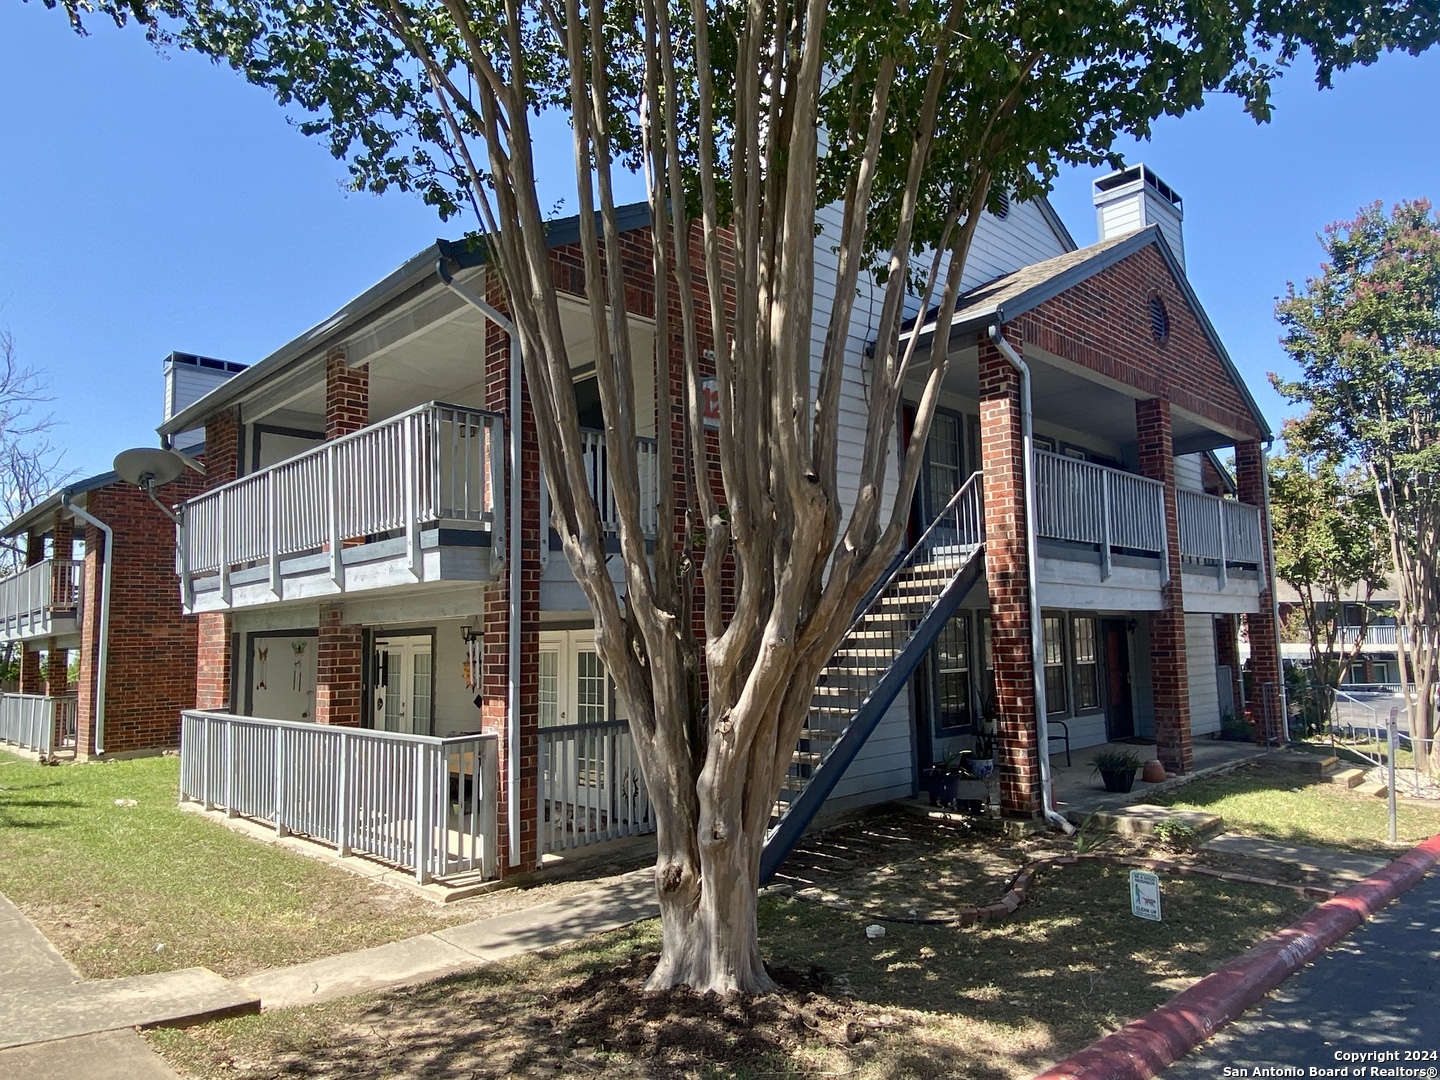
(1143, 1047)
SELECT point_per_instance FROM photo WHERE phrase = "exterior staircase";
(890, 636)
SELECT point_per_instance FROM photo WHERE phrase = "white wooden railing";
(1374, 635)
(1220, 530)
(1092, 504)
(29, 599)
(597, 479)
(425, 804)
(433, 463)
(591, 788)
(39, 723)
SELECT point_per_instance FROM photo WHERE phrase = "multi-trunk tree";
(1366, 336)
(744, 119)
(1330, 547)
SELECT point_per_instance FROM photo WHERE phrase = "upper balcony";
(1107, 529)
(416, 498)
(41, 601)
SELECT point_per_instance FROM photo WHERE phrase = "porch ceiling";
(1068, 397)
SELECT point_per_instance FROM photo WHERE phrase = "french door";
(404, 679)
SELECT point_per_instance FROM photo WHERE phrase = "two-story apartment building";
(97, 597)
(393, 655)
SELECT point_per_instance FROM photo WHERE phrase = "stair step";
(1350, 778)
(806, 757)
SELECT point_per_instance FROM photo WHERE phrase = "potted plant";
(1117, 769)
(951, 784)
(982, 756)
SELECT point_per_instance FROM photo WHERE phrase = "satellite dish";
(149, 466)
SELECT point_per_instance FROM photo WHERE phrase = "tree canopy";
(745, 120)
(1365, 333)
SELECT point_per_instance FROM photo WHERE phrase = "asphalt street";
(1376, 993)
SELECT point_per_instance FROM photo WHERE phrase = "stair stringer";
(786, 833)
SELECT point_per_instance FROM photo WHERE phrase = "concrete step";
(173, 997)
(1141, 819)
(1313, 765)
(1369, 787)
(1350, 778)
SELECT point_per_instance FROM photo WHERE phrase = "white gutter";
(512, 708)
(104, 618)
(1037, 634)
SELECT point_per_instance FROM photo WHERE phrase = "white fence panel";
(425, 804)
(591, 787)
(37, 722)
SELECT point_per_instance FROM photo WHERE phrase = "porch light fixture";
(469, 633)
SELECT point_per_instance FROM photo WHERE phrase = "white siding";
(884, 768)
(1188, 472)
(455, 709)
(1200, 668)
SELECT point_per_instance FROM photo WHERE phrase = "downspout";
(1037, 638)
(512, 708)
(104, 618)
(1274, 592)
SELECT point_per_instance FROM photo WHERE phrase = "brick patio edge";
(1144, 1047)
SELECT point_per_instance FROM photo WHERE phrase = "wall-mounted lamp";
(1132, 624)
(469, 633)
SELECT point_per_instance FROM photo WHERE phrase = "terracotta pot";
(1154, 772)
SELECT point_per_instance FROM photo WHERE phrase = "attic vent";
(1002, 205)
(1159, 321)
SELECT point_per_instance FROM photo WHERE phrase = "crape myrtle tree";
(1365, 334)
(1331, 547)
(744, 120)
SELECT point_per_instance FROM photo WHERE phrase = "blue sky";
(151, 204)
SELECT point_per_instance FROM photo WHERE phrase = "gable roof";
(417, 272)
(1012, 295)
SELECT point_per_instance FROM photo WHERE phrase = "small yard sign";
(1145, 895)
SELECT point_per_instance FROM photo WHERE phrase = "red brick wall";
(1002, 455)
(347, 395)
(1103, 324)
(222, 447)
(338, 669)
(151, 664)
(494, 688)
(1168, 676)
(213, 660)
(31, 681)
(57, 672)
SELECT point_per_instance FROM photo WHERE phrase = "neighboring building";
(1377, 663)
(108, 612)
(365, 634)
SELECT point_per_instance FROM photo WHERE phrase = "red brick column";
(1168, 675)
(212, 661)
(30, 680)
(34, 546)
(494, 691)
(338, 669)
(1002, 458)
(57, 672)
(1260, 627)
(347, 395)
(222, 447)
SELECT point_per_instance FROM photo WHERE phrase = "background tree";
(30, 464)
(1330, 547)
(926, 108)
(1366, 335)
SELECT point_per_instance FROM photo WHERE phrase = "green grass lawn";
(1280, 805)
(990, 1001)
(124, 890)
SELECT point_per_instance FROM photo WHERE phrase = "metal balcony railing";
(433, 463)
(30, 599)
(1087, 503)
(1219, 530)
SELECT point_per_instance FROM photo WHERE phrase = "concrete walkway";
(1345, 865)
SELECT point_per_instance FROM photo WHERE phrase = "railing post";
(280, 829)
(272, 532)
(222, 548)
(1224, 528)
(423, 838)
(205, 800)
(332, 505)
(230, 756)
(182, 556)
(1105, 525)
(488, 766)
(412, 505)
(499, 515)
(343, 815)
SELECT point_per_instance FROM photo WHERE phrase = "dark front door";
(1119, 713)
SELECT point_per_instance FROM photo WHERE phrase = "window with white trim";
(1087, 662)
(1056, 699)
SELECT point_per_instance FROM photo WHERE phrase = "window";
(942, 462)
(952, 674)
(1087, 666)
(1056, 700)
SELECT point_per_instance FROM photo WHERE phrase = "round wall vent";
(1002, 205)
(1159, 321)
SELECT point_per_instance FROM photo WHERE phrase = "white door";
(403, 679)
(574, 690)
